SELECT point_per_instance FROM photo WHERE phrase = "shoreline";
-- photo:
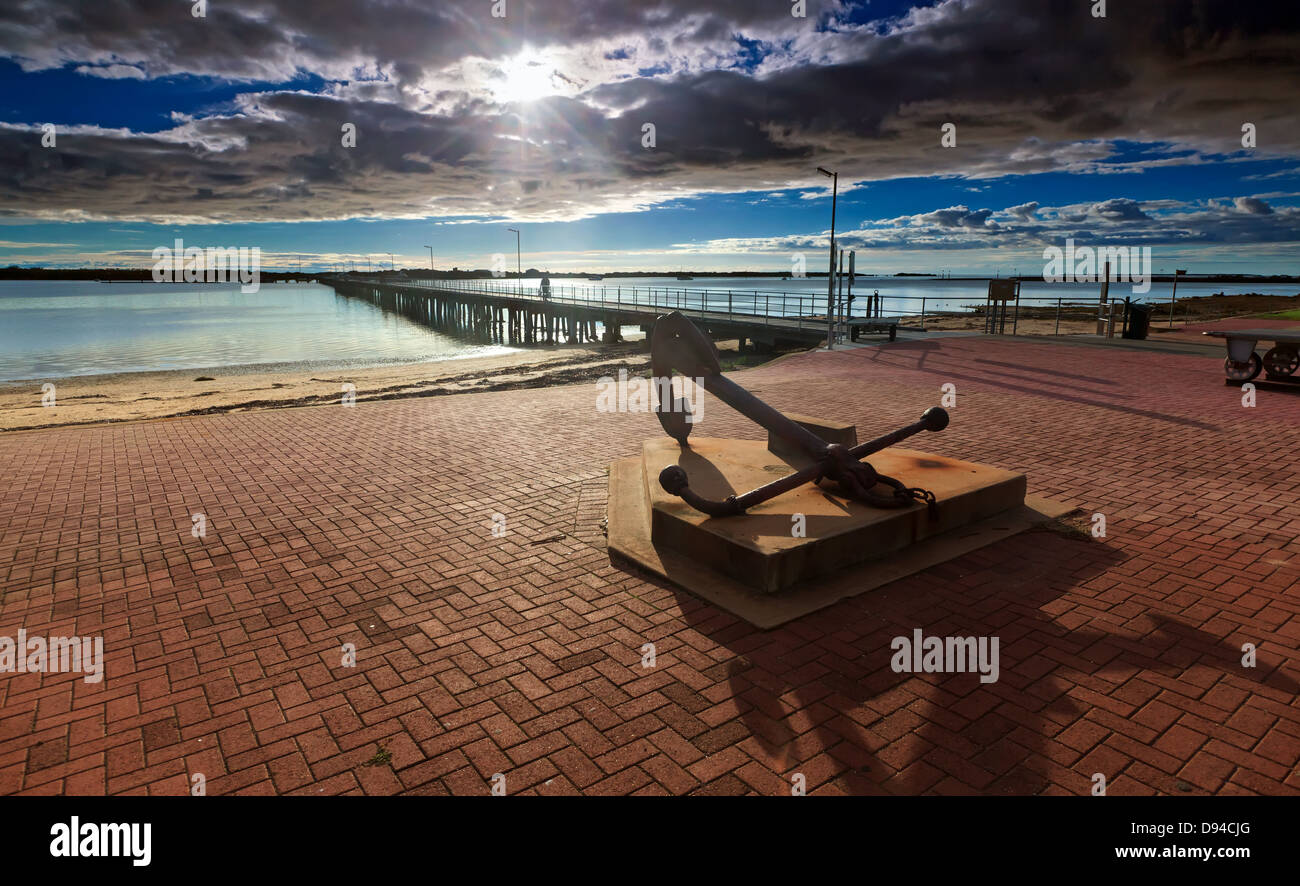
(174, 393)
(357, 364)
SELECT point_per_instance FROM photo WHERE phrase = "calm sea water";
(57, 329)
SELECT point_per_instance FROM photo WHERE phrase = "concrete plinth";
(758, 566)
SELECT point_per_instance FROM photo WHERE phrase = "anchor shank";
(770, 419)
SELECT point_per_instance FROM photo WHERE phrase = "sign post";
(1174, 297)
(1105, 295)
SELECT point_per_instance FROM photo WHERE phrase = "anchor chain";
(925, 495)
(903, 496)
(861, 478)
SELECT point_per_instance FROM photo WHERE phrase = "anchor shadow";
(822, 686)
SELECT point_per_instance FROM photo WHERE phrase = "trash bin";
(1137, 320)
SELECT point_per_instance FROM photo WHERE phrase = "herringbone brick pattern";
(522, 654)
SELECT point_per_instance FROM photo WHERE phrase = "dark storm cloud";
(958, 217)
(1031, 86)
(256, 40)
(1253, 205)
(1241, 220)
(1120, 210)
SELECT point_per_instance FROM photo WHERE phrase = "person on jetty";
(546, 289)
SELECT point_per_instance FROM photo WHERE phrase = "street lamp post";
(518, 271)
(392, 265)
(430, 248)
(830, 273)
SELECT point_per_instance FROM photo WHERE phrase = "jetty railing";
(786, 308)
(767, 307)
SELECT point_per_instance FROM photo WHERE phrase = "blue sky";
(536, 122)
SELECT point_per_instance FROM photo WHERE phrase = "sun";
(525, 77)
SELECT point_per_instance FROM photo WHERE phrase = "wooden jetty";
(509, 313)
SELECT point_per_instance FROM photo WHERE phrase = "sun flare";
(526, 77)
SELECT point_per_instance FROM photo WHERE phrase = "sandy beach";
(133, 396)
(1023, 326)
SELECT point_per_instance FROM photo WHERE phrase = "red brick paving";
(522, 654)
(1196, 331)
